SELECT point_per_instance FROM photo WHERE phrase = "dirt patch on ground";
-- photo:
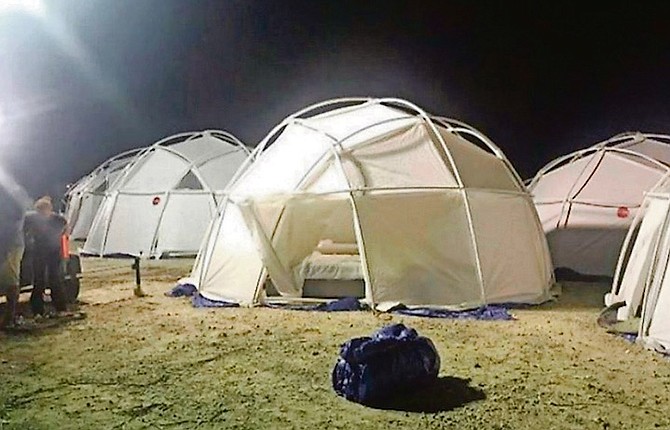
(157, 362)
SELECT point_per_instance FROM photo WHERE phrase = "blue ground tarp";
(628, 336)
(489, 312)
(199, 301)
(340, 305)
(393, 361)
(182, 290)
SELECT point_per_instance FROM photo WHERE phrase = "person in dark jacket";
(11, 250)
(43, 230)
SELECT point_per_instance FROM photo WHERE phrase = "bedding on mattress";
(330, 267)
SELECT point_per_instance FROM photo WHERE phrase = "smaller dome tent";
(84, 197)
(587, 199)
(162, 203)
(418, 210)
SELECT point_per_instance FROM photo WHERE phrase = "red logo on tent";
(156, 200)
(622, 212)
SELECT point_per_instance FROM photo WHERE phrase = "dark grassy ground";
(158, 363)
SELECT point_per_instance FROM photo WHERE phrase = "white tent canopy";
(164, 200)
(379, 192)
(587, 199)
(84, 197)
(642, 280)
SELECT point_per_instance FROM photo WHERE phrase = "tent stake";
(138, 279)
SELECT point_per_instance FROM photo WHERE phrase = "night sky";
(81, 80)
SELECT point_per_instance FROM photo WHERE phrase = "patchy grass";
(156, 362)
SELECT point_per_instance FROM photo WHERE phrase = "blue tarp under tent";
(488, 312)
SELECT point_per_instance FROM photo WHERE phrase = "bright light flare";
(34, 7)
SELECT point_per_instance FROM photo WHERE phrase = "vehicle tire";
(71, 282)
(71, 287)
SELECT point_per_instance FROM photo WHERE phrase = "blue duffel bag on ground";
(393, 361)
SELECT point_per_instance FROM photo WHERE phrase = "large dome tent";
(587, 199)
(418, 210)
(162, 203)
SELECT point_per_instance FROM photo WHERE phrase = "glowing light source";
(35, 7)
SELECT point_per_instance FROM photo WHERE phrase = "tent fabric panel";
(158, 170)
(234, 266)
(587, 250)
(510, 247)
(203, 147)
(72, 209)
(419, 248)
(189, 182)
(209, 240)
(344, 122)
(477, 167)
(97, 232)
(550, 215)
(132, 225)
(589, 216)
(326, 178)
(90, 203)
(651, 148)
(655, 328)
(112, 178)
(184, 222)
(658, 336)
(619, 181)
(408, 157)
(297, 147)
(636, 271)
(557, 184)
(218, 172)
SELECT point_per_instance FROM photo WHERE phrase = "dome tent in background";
(83, 198)
(162, 203)
(587, 199)
(415, 209)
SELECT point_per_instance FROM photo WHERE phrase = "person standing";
(43, 229)
(11, 250)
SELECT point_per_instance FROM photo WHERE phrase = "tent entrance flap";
(306, 238)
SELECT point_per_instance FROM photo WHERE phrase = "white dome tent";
(587, 199)
(162, 203)
(641, 287)
(84, 197)
(375, 192)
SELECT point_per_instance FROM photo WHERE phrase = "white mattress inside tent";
(330, 267)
